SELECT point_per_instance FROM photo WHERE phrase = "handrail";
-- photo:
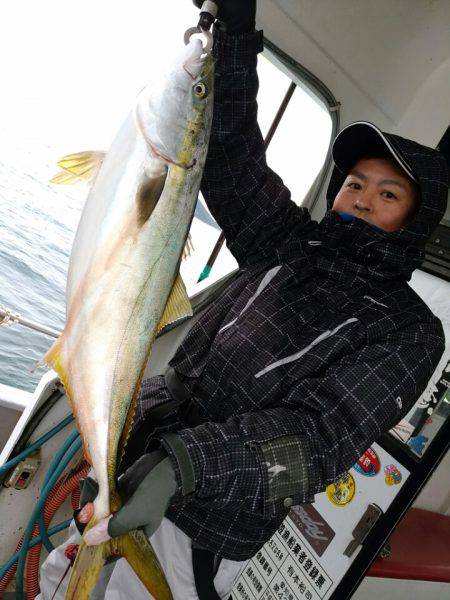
(8, 317)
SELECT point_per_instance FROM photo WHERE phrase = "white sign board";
(305, 558)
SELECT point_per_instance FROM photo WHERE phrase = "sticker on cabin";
(341, 492)
(418, 443)
(304, 559)
(403, 430)
(368, 464)
(392, 475)
(312, 526)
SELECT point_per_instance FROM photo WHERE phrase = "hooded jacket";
(316, 348)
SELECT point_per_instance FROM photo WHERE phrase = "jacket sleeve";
(287, 454)
(248, 200)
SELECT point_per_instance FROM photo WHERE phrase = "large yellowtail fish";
(123, 283)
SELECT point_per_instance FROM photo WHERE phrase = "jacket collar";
(354, 249)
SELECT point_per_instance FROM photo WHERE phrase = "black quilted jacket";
(314, 350)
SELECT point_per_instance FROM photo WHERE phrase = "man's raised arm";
(248, 200)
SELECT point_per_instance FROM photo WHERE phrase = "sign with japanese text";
(304, 559)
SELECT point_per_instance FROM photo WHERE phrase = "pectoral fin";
(82, 166)
(148, 195)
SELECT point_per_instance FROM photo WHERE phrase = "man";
(316, 348)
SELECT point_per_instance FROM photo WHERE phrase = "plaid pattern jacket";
(316, 348)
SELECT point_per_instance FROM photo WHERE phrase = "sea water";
(37, 225)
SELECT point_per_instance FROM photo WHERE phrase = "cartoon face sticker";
(392, 475)
(341, 492)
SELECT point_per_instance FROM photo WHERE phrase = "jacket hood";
(398, 253)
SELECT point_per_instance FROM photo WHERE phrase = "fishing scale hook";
(208, 14)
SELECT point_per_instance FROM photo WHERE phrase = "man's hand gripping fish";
(123, 283)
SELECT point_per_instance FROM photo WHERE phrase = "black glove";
(147, 486)
(237, 16)
(127, 483)
(89, 491)
(146, 489)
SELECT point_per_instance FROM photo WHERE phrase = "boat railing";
(8, 318)
(11, 397)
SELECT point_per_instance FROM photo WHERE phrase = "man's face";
(379, 192)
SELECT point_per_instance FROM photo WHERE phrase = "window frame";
(313, 86)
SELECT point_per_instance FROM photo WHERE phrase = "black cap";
(361, 139)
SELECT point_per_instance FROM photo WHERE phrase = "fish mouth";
(206, 42)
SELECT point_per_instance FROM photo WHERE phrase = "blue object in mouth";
(346, 216)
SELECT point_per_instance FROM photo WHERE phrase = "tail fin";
(135, 548)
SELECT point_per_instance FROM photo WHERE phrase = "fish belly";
(112, 323)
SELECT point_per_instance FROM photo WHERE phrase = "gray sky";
(71, 72)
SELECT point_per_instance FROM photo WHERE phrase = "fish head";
(175, 116)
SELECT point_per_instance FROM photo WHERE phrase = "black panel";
(437, 253)
(444, 146)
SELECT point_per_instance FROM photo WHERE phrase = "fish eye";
(200, 90)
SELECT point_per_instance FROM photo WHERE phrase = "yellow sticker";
(341, 492)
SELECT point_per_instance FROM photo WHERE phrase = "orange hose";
(53, 503)
(12, 569)
(62, 488)
(75, 499)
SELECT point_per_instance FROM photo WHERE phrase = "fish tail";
(86, 570)
(135, 548)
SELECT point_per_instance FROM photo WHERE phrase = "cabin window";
(297, 151)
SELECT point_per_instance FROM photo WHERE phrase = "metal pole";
(282, 109)
(280, 113)
(7, 317)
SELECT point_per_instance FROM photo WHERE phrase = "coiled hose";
(35, 445)
(54, 501)
(61, 490)
(56, 473)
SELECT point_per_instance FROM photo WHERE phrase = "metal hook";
(207, 47)
(208, 13)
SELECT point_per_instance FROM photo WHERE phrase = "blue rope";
(72, 437)
(37, 540)
(14, 461)
(76, 445)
